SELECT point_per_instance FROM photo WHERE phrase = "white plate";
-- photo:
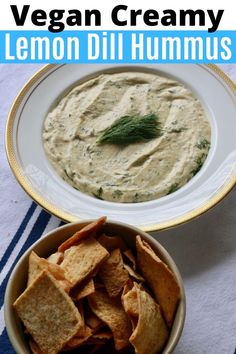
(35, 174)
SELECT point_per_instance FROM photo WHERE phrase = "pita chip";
(160, 279)
(79, 339)
(133, 273)
(88, 230)
(81, 261)
(55, 258)
(100, 337)
(105, 335)
(113, 274)
(57, 313)
(130, 302)
(84, 289)
(93, 321)
(151, 333)
(110, 311)
(34, 347)
(112, 242)
(38, 264)
(130, 257)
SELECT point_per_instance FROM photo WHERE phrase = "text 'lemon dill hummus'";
(132, 172)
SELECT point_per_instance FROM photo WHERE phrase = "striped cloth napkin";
(35, 222)
(22, 222)
(204, 249)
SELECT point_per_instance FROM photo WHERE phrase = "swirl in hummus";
(135, 172)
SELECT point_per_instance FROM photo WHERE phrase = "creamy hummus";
(136, 172)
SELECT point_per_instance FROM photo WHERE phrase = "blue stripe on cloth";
(34, 235)
(6, 347)
(17, 235)
(36, 232)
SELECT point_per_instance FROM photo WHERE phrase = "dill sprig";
(131, 129)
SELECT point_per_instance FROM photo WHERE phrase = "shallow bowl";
(33, 171)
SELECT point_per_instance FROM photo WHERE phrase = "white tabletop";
(204, 249)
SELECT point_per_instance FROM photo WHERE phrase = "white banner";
(120, 15)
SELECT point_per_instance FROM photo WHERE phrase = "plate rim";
(67, 217)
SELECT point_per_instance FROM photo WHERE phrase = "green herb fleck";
(117, 193)
(136, 198)
(177, 130)
(70, 175)
(203, 144)
(99, 193)
(131, 129)
(199, 162)
(173, 188)
(76, 188)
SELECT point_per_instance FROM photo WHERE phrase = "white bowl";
(48, 244)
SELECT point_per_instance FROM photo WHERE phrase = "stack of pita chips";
(95, 295)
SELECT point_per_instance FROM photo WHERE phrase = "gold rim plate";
(53, 209)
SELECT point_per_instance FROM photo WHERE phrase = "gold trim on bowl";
(17, 170)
